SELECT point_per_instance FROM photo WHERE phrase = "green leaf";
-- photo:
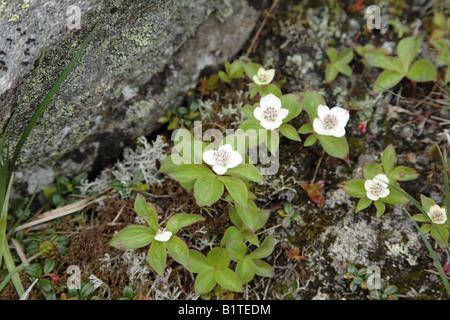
(236, 249)
(208, 190)
(262, 269)
(237, 189)
(248, 214)
(355, 188)
(422, 70)
(440, 234)
(395, 197)
(178, 250)
(157, 256)
(231, 234)
(273, 141)
(407, 49)
(189, 172)
(420, 218)
(168, 166)
(427, 203)
(263, 216)
(386, 80)
(188, 186)
(227, 279)
(247, 171)
(245, 271)
(335, 147)
(49, 265)
(331, 72)
(198, 262)
(363, 204)
(311, 101)
(385, 62)
(332, 54)
(292, 102)
(248, 111)
(402, 173)
(289, 132)
(250, 236)
(306, 128)
(45, 284)
(344, 69)
(388, 159)
(180, 220)
(146, 211)
(205, 281)
(133, 237)
(312, 138)
(426, 228)
(218, 257)
(250, 68)
(272, 88)
(381, 207)
(345, 57)
(264, 250)
(371, 170)
(86, 290)
(250, 124)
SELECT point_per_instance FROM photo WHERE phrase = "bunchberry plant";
(160, 239)
(327, 125)
(377, 185)
(338, 63)
(435, 221)
(232, 71)
(396, 69)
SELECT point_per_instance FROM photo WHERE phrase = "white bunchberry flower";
(377, 188)
(163, 235)
(331, 122)
(263, 76)
(437, 214)
(222, 159)
(270, 114)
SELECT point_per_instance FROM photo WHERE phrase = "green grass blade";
(5, 132)
(4, 219)
(16, 270)
(49, 97)
(446, 185)
(11, 267)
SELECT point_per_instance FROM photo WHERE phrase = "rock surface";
(141, 60)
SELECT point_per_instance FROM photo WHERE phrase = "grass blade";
(49, 97)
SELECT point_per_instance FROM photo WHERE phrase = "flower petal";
(270, 100)
(382, 178)
(256, 80)
(235, 160)
(322, 111)
(259, 114)
(226, 147)
(337, 132)
(318, 127)
(368, 184)
(384, 193)
(271, 125)
(371, 196)
(208, 157)
(283, 113)
(219, 169)
(163, 236)
(270, 74)
(341, 114)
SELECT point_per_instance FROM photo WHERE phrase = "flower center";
(270, 114)
(437, 215)
(161, 230)
(222, 157)
(330, 121)
(263, 77)
(377, 189)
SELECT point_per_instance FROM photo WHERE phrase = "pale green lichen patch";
(12, 10)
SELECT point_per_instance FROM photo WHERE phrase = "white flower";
(331, 122)
(222, 158)
(163, 235)
(377, 188)
(269, 113)
(437, 214)
(263, 76)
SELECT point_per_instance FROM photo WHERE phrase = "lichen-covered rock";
(141, 60)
